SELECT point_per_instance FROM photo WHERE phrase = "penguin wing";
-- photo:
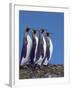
(24, 48)
(48, 51)
(33, 50)
(42, 48)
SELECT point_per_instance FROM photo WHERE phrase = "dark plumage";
(27, 29)
(47, 47)
(40, 51)
(24, 47)
(32, 55)
(47, 34)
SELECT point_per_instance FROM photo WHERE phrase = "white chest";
(44, 46)
(29, 45)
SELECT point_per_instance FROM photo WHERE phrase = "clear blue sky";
(51, 21)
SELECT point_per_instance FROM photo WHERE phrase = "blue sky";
(51, 21)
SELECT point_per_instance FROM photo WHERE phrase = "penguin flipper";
(23, 53)
(25, 48)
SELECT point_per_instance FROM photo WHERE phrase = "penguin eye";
(27, 29)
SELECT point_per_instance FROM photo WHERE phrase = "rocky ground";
(49, 71)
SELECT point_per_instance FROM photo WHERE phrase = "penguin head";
(34, 32)
(27, 30)
(42, 31)
(47, 34)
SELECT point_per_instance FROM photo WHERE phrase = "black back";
(33, 50)
(40, 50)
(24, 48)
(47, 50)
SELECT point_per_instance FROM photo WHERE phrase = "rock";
(49, 71)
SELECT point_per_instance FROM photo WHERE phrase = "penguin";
(26, 50)
(34, 47)
(41, 48)
(49, 49)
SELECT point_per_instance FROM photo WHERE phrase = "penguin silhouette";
(41, 48)
(49, 49)
(26, 49)
(34, 47)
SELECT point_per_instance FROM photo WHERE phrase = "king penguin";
(26, 50)
(42, 47)
(34, 46)
(49, 49)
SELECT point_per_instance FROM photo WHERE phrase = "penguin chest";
(44, 46)
(36, 38)
(36, 46)
(29, 46)
(50, 48)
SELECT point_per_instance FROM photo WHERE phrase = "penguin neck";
(34, 35)
(49, 38)
(42, 36)
(26, 34)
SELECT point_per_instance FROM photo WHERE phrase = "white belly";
(44, 47)
(36, 48)
(51, 51)
(29, 46)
